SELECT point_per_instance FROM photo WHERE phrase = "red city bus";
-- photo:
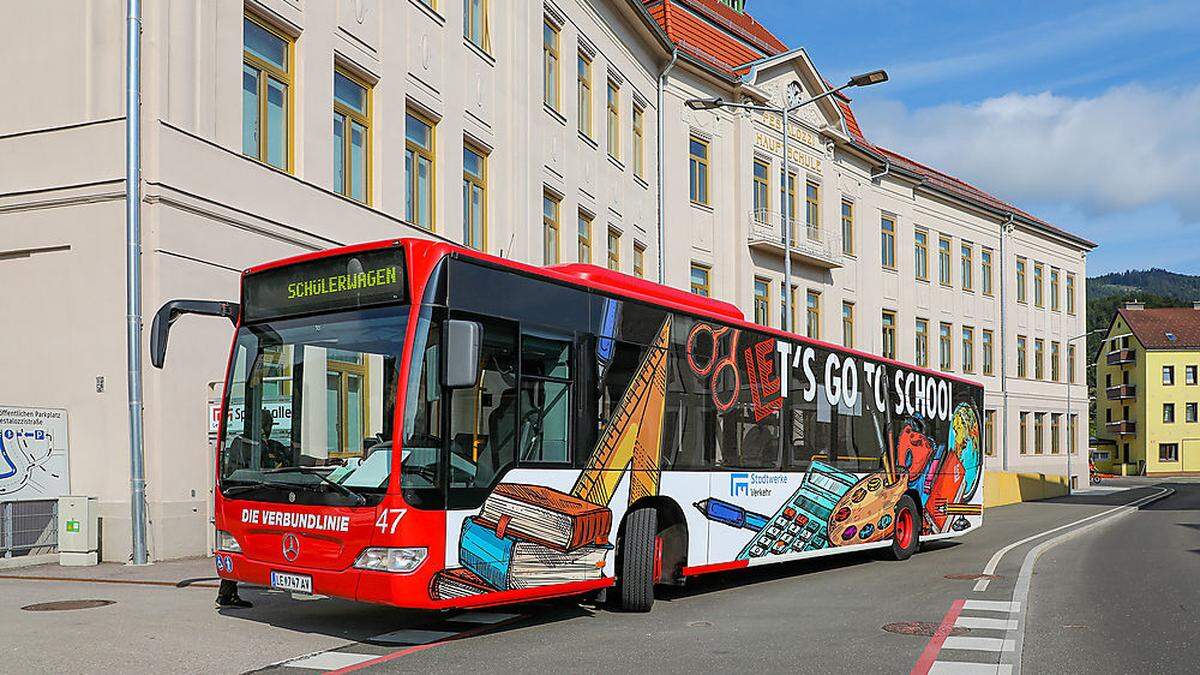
(561, 430)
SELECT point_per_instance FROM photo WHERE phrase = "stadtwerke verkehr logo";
(739, 484)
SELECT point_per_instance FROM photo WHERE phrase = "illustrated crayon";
(731, 514)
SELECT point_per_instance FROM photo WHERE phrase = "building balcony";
(1121, 357)
(1122, 427)
(816, 246)
(1121, 391)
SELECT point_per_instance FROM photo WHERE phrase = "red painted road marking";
(939, 636)
(417, 648)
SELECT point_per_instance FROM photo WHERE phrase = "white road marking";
(966, 668)
(992, 564)
(985, 623)
(483, 617)
(982, 644)
(412, 636)
(330, 660)
(993, 606)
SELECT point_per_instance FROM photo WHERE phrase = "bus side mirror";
(168, 313)
(461, 366)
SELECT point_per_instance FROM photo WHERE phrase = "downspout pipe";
(1005, 229)
(887, 168)
(658, 132)
(133, 276)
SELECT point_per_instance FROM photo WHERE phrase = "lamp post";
(712, 103)
(1075, 432)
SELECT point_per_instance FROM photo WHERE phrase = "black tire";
(903, 546)
(636, 583)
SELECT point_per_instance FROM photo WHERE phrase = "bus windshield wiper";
(256, 484)
(314, 471)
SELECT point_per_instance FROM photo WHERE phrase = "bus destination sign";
(342, 282)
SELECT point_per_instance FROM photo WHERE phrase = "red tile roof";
(713, 33)
(1154, 326)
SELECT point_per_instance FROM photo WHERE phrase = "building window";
(989, 351)
(1071, 364)
(887, 242)
(639, 142)
(419, 163)
(1189, 375)
(585, 238)
(847, 324)
(700, 280)
(922, 346)
(1168, 413)
(945, 346)
(812, 210)
(968, 267)
(1072, 433)
(787, 198)
(1039, 433)
(351, 137)
(550, 64)
(921, 254)
(614, 119)
(1070, 293)
(1039, 358)
(266, 94)
(1168, 378)
(1024, 431)
(698, 170)
(549, 229)
(783, 311)
(614, 250)
(639, 260)
(968, 349)
(812, 315)
(985, 270)
(474, 198)
(1022, 342)
(762, 191)
(1168, 452)
(1055, 433)
(989, 433)
(1021, 290)
(889, 334)
(1189, 412)
(944, 262)
(1039, 293)
(847, 227)
(1054, 283)
(584, 85)
(1055, 366)
(762, 301)
(475, 23)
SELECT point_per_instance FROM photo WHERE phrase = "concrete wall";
(1001, 488)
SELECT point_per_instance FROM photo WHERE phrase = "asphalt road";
(1124, 599)
(812, 616)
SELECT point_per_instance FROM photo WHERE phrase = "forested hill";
(1180, 288)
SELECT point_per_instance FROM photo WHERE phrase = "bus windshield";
(310, 408)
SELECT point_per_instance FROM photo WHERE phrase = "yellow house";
(1148, 390)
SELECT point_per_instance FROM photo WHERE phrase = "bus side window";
(545, 400)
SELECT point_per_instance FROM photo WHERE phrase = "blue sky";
(1086, 114)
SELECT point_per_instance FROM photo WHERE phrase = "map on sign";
(33, 453)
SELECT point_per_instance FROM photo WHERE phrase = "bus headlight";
(398, 560)
(226, 542)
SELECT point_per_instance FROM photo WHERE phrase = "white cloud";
(1127, 148)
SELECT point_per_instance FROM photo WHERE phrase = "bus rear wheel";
(636, 583)
(907, 533)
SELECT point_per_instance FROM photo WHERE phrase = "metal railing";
(1121, 391)
(1121, 357)
(28, 528)
(818, 245)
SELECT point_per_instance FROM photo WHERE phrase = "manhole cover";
(973, 577)
(923, 628)
(66, 605)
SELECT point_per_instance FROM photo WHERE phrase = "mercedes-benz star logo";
(291, 547)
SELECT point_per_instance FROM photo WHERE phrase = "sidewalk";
(178, 573)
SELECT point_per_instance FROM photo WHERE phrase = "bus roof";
(602, 279)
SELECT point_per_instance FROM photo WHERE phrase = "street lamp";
(715, 102)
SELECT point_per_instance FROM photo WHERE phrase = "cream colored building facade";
(433, 82)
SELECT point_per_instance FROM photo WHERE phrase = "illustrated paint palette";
(864, 514)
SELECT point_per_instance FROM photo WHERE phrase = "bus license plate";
(285, 581)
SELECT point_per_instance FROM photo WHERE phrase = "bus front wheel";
(907, 533)
(636, 583)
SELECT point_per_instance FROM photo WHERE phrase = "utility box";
(78, 531)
